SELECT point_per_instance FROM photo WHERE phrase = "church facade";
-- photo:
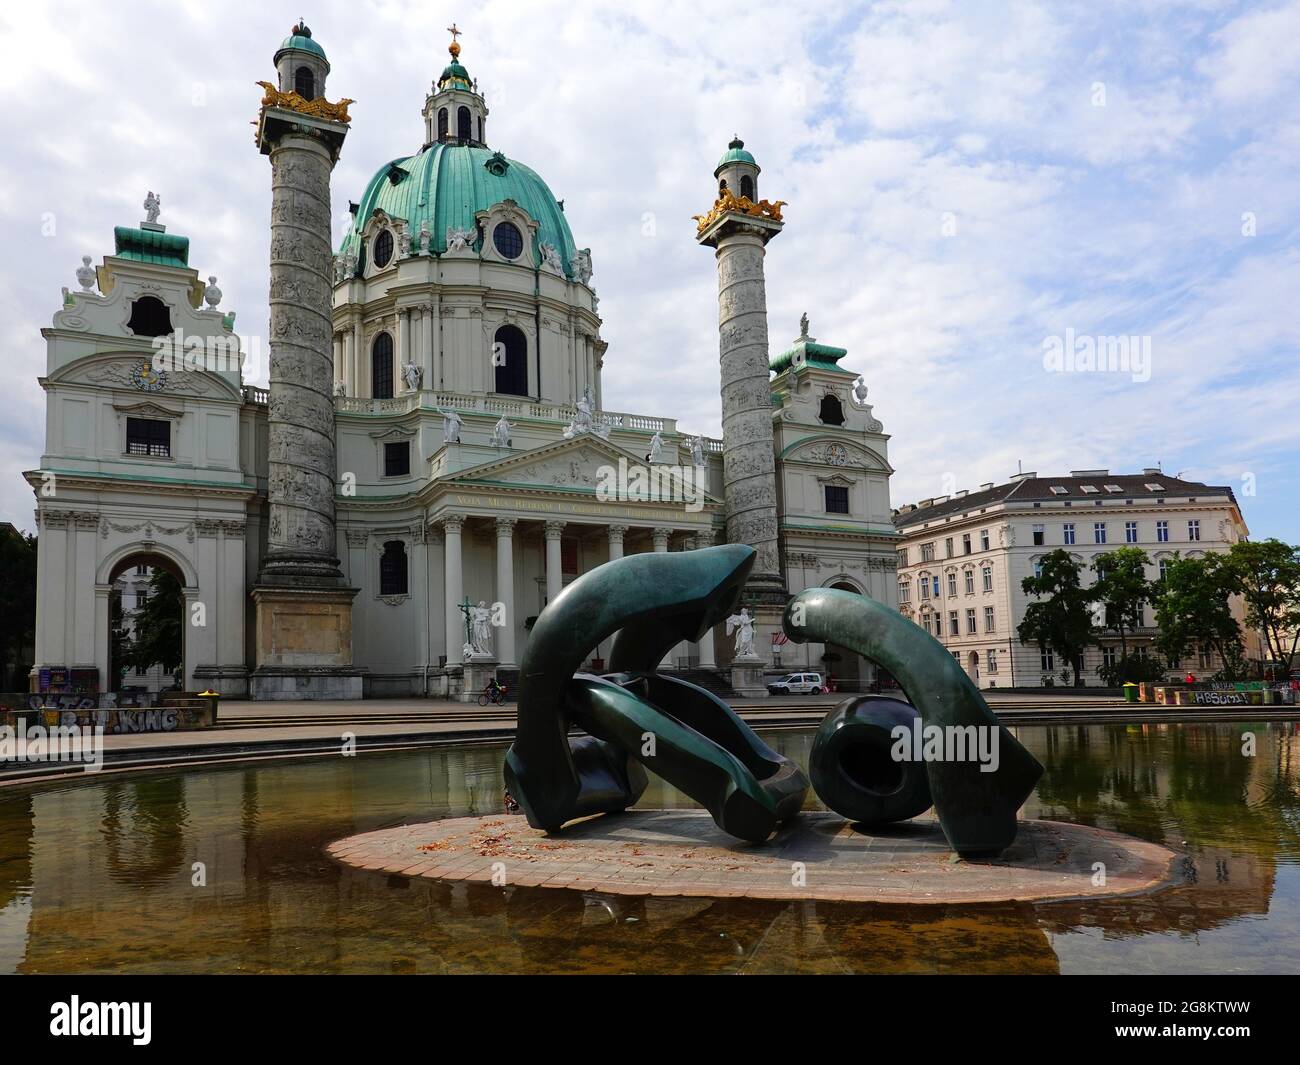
(476, 468)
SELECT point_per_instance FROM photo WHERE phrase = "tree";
(1266, 574)
(17, 602)
(1123, 589)
(1193, 609)
(1061, 622)
(156, 626)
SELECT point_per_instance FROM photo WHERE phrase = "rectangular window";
(1040, 535)
(970, 582)
(965, 543)
(947, 547)
(1164, 568)
(927, 552)
(1067, 533)
(991, 661)
(984, 539)
(1108, 656)
(1048, 663)
(987, 573)
(952, 585)
(902, 558)
(1193, 530)
(1130, 532)
(1162, 531)
(954, 628)
(148, 436)
(1204, 657)
(904, 591)
(938, 625)
(837, 499)
(988, 619)
(1098, 532)
(397, 459)
(970, 621)
(936, 586)
(925, 587)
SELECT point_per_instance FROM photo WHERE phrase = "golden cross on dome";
(454, 32)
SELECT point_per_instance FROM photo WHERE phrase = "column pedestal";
(304, 645)
(748, 679)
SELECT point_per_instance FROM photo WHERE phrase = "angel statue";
(501, 433)
(656, 447)
(743, 626)
(481, 629)
(413, 376)
(152, 206)
(450, 426)
(459, 239)
(697, 450)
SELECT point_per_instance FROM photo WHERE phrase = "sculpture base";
(304, 644)
(814, 856)
(748, 678)
(478, 671)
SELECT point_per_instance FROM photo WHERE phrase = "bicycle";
(494, 696)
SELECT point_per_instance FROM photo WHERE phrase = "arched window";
(381, 367)
(832, 412)
(304, 83)
(150, 317)
(442, 123)
(464, 128)
(392, 568)
(508, 240)
(510, 354)
(722, 186)
(747, 186)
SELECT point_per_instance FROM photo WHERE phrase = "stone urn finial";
(86, 274)
(212, 294)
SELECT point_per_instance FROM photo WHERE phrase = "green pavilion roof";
(150, 246)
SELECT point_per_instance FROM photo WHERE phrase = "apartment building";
(963, 558)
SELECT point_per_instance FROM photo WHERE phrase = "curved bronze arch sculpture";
(976, 808)
(688, 736)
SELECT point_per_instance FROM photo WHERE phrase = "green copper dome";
(454, 76)
(300, 38)
(447, 184)
(736, 154)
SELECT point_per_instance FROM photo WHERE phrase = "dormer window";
(150, 317)
(1154, 487)
(304, 83)
(1112, 488)
(508, 240)
(1089, 489)
(1059, 490)
(383, 253)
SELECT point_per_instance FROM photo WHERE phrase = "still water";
(98, 875)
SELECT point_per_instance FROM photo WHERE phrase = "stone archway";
(129, 560)
(851, 672)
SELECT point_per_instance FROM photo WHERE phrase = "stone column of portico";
(360, 382)
(554, 560)
(616, 534)
(303, 639)
(661, 536)
(454, 583)
(506, 589)
(748, 461)
(426, 346)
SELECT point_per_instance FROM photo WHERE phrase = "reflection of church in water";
(475, 467)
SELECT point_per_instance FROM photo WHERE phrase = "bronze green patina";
(633, 716)
(976, 809)
(852, 768)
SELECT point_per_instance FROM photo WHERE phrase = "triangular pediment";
(583, 464)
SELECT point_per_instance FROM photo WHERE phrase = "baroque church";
(439, 372)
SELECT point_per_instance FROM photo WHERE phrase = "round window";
(383, 249)
(508, 239)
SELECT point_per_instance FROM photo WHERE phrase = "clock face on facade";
(837, 454)
(147, 379)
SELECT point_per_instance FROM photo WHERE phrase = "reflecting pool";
(101, 875)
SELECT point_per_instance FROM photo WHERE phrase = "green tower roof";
(150, 246)
(736, 154)
(818, 356)
(447, 184)
(300, 38)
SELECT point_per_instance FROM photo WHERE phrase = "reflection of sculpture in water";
(743, 626)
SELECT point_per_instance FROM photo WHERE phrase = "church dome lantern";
(455, 111)
(738, 171)
(301, 64)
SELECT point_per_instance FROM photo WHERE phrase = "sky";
(970, 188)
